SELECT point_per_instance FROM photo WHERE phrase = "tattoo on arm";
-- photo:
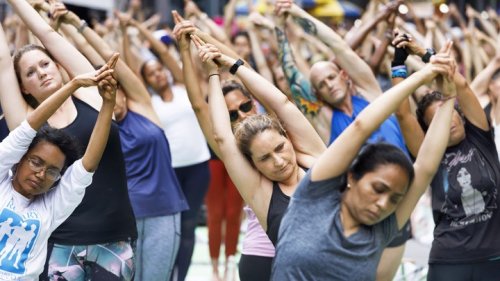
(308, 25)
(300, 86)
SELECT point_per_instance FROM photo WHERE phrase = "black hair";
(232, 86)
(428, 100)
(374, 155)
(240, 33)
(142, 70)
(65, 142)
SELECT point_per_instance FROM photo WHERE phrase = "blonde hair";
(246, 130)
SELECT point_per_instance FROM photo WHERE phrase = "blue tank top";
(389, 131)
(152, 184)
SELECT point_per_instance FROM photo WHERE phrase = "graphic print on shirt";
(467, 184)
(17, 237)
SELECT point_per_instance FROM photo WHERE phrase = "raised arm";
(345, 57)
(430, 154)
(482, 80)
(339, 155)
(412, 132)
(14, 106)
(162, 51)
(244, 176)
(358, 35)
(303, 136)
(138, 98)
(65, 53)
(100, 134)
(469, 104)
(182, 30)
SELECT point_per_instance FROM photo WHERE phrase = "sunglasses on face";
(244, 107)
(37, 165)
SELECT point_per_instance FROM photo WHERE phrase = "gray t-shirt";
(311, 243)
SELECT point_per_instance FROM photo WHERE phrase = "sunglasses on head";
(244, 107)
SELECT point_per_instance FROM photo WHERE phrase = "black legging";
(194, 182)
(255, 268)
(482, 271)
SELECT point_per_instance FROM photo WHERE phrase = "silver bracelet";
(83, 25)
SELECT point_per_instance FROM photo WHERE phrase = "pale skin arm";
(258, 55)
(244, 176)
(182, 30)
(346, 58)
(162, 50)
(480, 83)
(100, 134)
(14, 106)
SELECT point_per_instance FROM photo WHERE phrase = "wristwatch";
(235, 66)
(430, 52)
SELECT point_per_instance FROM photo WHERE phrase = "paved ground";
(413, 269)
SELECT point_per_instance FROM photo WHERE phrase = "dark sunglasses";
(244, 107)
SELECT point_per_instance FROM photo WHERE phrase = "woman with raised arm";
(464, 190)
(155, 194)
(352, 202)
(257, 250)
(105, 216)
(190, 153)
(265, 162)
(47, 181)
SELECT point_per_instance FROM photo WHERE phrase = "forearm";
(219, 116)
(64, 53)
(222, 47)
(99, 138)
(197, 100)
(469, 104)
(436, 139)
(258, 55)
(82, 45)
(42, 113)
(215, 30)
(379, 54)
(162, 50)
(302, 92)
(389, 102)
(360, 33)
(480, 83)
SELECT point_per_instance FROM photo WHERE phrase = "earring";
(349, 185)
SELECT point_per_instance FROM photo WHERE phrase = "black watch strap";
(427, 57)
(235, 66)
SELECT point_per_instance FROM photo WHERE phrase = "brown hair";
(17, 57)
(246, 130)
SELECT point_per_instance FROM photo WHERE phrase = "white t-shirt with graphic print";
(26, 225)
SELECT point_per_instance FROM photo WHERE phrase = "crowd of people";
(325, 136)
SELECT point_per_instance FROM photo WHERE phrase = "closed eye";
(279, 147)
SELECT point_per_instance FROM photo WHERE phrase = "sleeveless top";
(277, 207)
(152, 184)
(177, 117)
(105, 214)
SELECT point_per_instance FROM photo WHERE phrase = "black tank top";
(277, 207)
(105, 214)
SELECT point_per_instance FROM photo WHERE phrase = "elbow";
(219, 140)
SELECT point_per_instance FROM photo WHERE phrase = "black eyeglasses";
(244, 107)
(37, 165)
